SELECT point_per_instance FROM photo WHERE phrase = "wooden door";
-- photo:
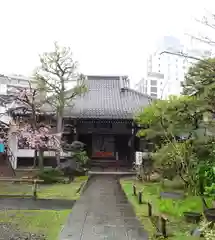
(103, 146)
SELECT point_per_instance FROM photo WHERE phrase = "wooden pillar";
(132, 147)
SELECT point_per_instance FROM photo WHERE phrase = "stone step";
(108, 163)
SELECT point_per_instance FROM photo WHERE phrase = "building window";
(154, 95)
(153, 89)
(154, 82)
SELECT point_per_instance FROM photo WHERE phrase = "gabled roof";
(108, 97)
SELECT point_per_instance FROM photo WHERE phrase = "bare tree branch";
(56, 70)
(208, 22)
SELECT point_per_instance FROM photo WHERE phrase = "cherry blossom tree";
(30, 131)
(40, 138)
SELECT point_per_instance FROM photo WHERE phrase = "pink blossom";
(37, 139)
(28, 136)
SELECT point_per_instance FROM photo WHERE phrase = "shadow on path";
(103, 212)
(39, 204)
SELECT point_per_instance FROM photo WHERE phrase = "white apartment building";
(152, 84)
(169, 60)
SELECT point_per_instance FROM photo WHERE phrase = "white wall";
(3, 88)
(25, 153)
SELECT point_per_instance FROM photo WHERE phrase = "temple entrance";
(103, 146)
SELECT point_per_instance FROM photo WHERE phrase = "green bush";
(210, 191)
(50, 176)
(176, 207)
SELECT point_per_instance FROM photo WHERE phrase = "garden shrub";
(175, 184)
(177, 207)
(206, 176)
(50, 176)
(155, 177)
(210, 191)
(76, 163)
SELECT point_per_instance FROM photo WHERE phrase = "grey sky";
(106, 36)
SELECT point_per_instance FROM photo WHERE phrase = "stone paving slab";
(103, 213)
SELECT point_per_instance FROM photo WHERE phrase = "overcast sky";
(106, 36)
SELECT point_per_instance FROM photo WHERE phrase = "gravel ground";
(9, 231)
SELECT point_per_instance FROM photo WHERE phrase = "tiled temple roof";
(108, 97)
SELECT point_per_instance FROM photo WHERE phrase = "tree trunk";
(59, 130)
(57, 155)
(41, 166)
(59, 123)
(71, 178)
(35, 159)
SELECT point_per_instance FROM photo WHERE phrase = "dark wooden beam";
(132, 148)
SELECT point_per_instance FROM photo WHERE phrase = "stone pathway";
(103, 212)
